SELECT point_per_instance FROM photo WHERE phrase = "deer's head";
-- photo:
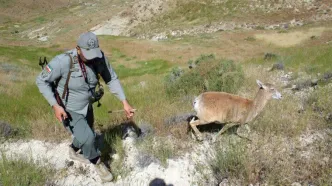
(269, 89)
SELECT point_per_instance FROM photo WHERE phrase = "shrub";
(210, 74)
(320, 103)
(230, 161)
(23, 172)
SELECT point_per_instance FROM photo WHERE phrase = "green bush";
(184, 84)
(209, 74)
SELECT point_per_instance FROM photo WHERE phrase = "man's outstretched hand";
(128, 109)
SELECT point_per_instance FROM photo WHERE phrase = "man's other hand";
(59, 112)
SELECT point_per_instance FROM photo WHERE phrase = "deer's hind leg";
(245, 136)
(193, 124)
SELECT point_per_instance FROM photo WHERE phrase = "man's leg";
(84, 138)
(90, 120)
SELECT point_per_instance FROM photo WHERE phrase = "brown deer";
(229, 109)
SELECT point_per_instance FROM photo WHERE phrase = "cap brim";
(92, 53)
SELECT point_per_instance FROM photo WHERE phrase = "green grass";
(154, 66)
(116, 54)
(40, 19)
(159, 148)
(311, 60)
(230, 161)
(288, 122)
(5, 3)
(20, 111)
(27, 55)
(23, 173)
(22, 104)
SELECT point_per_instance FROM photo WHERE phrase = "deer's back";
(220, 106)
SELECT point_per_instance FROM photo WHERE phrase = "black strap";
(66, 89)
(83, 69)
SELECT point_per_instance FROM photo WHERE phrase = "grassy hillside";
(185, 14)
(284, 146)
(145, 84)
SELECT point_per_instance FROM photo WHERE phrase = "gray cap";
(88, 42)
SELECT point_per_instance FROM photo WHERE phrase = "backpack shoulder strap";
(68, 76)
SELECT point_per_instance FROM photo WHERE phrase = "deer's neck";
(257, 105)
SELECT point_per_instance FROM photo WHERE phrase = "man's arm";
(50, 73)
(112, 81)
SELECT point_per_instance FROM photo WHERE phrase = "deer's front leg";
(224, 129)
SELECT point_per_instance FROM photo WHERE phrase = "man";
(77, 75)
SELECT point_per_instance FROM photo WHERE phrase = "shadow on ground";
(106, 139)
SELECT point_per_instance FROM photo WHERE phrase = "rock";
(329, 118)
(48, 183)
(224, 182)
(142, 84)
(285, 26)
(269, 56)
(285, 78)
(305, 84)
(177, 119)
(296, 10)
(5, 129)
(313, 37)
(145, 160)
(115, 157)
(327, 76)
(69, 163)
(146, 128)
(44, 38)
(159, 37)
(296, 184)
(277, 66)
(192, 65)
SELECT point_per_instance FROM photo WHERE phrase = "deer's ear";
(259, 83)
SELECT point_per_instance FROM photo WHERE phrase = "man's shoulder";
(65, 57)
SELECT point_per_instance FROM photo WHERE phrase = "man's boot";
(103, 172)
(77, 156)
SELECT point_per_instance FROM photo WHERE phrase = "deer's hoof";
(214, 139)
(199, 138)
